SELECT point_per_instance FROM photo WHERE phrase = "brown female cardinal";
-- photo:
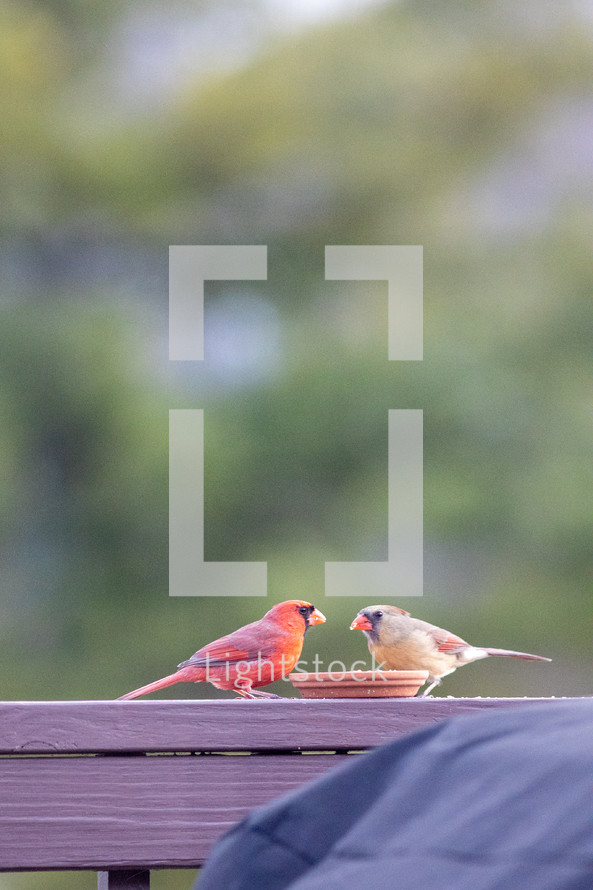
(254, 655)
(403, 643)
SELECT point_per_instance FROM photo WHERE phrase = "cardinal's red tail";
(513, 654)
(177, 677)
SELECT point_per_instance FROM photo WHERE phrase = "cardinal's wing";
(447, 642)
(227, 651)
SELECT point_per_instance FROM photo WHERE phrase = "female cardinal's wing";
(447, 642)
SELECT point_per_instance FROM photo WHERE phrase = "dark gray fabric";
(498, 800)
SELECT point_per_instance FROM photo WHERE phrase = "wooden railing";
(124, 787)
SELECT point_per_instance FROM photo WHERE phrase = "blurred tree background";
(464, 126)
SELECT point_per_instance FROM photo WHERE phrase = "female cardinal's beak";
(361, 622)
(316, 617)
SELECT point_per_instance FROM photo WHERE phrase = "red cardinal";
(404, 643)
(254, 655)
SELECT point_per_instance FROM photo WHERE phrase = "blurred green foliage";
(463, 126)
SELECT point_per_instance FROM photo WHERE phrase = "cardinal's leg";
(243, 687)
(436, 681)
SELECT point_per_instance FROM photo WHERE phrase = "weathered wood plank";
(167, 726)
(135, 812)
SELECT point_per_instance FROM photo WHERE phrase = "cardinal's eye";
(378, 613)
(304, 610)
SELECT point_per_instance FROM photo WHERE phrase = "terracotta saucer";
(359, 684)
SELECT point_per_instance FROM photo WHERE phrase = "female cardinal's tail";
(510, 652)
(177, 677)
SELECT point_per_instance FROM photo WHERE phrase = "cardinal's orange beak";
(316, 617)
(361, 622)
